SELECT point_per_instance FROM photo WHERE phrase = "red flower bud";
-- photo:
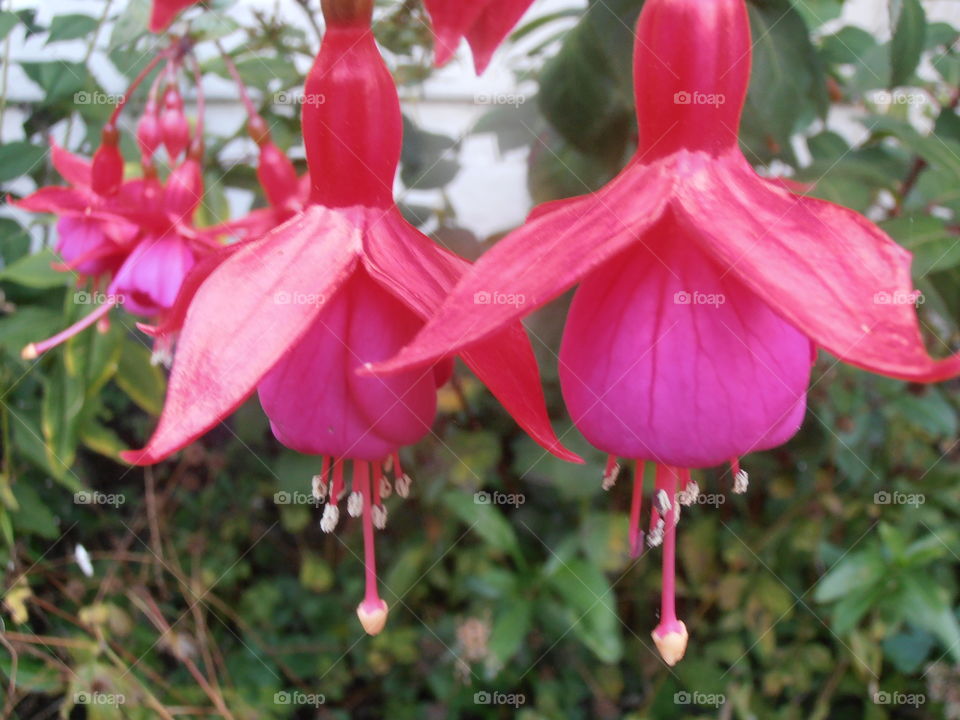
(174, 128)
(107, 171)
(148, 130)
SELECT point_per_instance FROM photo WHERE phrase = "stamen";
(379, 511)
(35, 350)
(331, 516)
(636, 534)
(611, 473)
(741, 480)
(355, 504)
(379, 517)
(688, 496)
(386, 488)
(670, 636)
(401, 481)
(655, 536)
(662, 501)
(372, 612)
(321, 483)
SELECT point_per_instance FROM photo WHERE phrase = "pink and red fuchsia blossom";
(345, 283)
(137, 235)
(703, 289)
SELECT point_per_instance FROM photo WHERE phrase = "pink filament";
(636, 505)
(337, 489)
(667, 480)
(361, 479)
(35, 349)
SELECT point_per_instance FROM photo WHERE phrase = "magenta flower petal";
(317, 402)
(151, 276)
(688, 368)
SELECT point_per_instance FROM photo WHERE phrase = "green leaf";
(933, 246)
(26, 325)
(510, 629)
(71, 27)
(142, 381)
(590, 606)
(20, 158)
(60, 80)
(102, 440)
(909, 37)
(788, 88)
(483, 518)
(130, 26)
(14, 241)
(586, 92)
(855, 571)
(927, 606)
(8, 21)
(929, 411)
(36, 271)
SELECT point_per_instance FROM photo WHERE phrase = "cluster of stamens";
(369, 488)
(673, 489)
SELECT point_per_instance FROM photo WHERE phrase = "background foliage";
(829, 591)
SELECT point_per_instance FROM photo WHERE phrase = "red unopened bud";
(107, 172)
(277, 175)
(174, 128)
(148, 130)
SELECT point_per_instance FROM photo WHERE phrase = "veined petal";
(451, 20)
(828, 270)
(421, 273)
(666, 358)
(244, 318)
(539, 261)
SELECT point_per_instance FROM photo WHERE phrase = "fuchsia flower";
(703, 289)
(345, 283)
(484, 23)
(164, 11)
(138, 232)
(91, 238)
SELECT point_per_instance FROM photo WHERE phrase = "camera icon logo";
(481, 498)
(682, 98)
(481, 698)
(882, 497)
(482, 298)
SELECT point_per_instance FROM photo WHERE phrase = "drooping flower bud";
(107, 171)
(149, 136)
(174, 128)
